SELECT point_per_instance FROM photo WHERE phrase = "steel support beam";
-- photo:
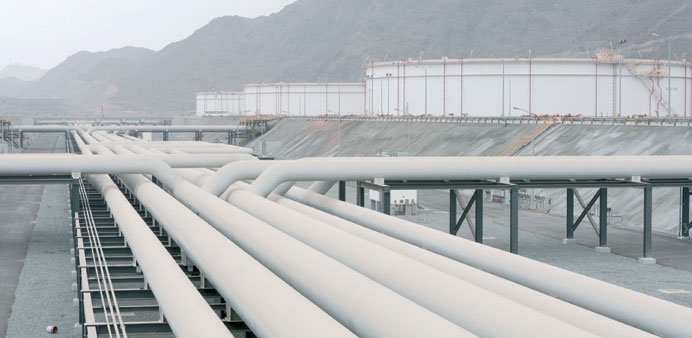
(21, 139)
(342, 191)
(360, 196)
(648, 197)
(586, 210)
(603, 219)
(386, 200)
(685, 211)
(454, 228)
(570, 214)
(74, 194)
(452, 211)
(166, 135)
(478, 195)
(514, 219)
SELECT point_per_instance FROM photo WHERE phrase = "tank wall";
(221, 103)
(305, 99)
(495, 88)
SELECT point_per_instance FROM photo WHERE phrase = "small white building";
(220, 103)
(305, 98)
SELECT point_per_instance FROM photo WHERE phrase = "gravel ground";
(654, 280)
(44, 292)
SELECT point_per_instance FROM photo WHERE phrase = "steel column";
(570, 214)
(21, 139)
(685, 211)
(514, 219)
(166, 135)
(647, 219)
(342, 191)
(603, 215)
(74, 194)
(386, 200)
(452, 211)
(479, 215)
(360, 196)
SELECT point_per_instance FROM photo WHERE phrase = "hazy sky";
(43, 33)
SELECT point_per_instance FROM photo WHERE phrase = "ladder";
(524, 140)
(646, 79)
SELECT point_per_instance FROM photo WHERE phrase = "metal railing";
(576, 120)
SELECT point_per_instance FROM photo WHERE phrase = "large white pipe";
(188, 313)
(321, 187)
(210, 148)
(269, 306)
(465, 304)
(584, 319)
(233, 172)
(645, 312)
(474, 168)
(141, 128)
(365, 307)
(110, 140)
(259, 297)
(353, 299)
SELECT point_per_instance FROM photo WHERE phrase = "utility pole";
(503, 89)
(670, 105)
(426, 91)
(622, 60)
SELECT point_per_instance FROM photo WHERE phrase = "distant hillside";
(21, 72)
(317, 40)
(10, 86)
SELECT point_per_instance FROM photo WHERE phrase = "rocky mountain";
(317, 40)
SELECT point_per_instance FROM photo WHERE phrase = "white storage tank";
(220, 103)
(305, 98)
(607, 85)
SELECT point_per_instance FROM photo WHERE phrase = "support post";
(648, 216)
(603, 221)
(360, 196)
(479, 215)
(74, 194)
(685, 211)
(198, 136)
(514, 219)
(166, 135)
(342, 191)
(229, 137)
(67, 142)
(452, 210)
(570, 216)
(21, 139)
(386, 199)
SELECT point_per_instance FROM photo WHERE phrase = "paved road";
(18, 208)
(667, 250)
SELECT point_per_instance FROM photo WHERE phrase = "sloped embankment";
(296, 139)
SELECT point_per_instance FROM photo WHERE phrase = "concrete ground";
(540, 238)
(19, 206)
(44, 293)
